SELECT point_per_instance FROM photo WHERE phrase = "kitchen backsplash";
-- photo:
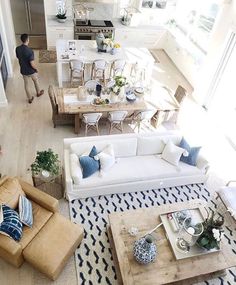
(102, 11)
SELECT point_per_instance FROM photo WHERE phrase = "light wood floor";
(25, 128)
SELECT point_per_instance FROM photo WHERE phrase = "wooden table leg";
(77, 124)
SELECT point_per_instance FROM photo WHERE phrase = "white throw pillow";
(172, 153)
(75, 169)
(107, 158)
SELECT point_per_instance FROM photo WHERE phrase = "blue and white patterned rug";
(93, 257)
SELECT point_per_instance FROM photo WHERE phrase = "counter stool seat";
(53, 246)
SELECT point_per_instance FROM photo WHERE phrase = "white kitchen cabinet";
(140, 37)
(55, 33)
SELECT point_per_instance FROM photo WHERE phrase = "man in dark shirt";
(28, 69)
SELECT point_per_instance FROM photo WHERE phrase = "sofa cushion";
(139, 168)
(172, 153)
(193, 152)
(10, 192)
(11, 224)
(26, 211)
(122, 148)
(150, 145)
(41, 216)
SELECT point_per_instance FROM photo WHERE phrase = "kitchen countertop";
(118, 25)
(52, 22)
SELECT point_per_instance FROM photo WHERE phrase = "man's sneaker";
(31, 100)
(40, 93)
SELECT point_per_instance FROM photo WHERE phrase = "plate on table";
(131, 97)
(139, 90)
(100, 102)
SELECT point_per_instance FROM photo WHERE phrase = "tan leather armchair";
(47, 230)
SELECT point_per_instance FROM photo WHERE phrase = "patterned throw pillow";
(89, 163)
(11, 224)
(25, 211)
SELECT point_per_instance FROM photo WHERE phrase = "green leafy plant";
(212, 233)
(61, 11)
(46, 160)
(120, 81)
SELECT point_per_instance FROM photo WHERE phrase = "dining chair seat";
(91, 121)
(116, 119)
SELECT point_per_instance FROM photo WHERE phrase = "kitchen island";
(86, 50)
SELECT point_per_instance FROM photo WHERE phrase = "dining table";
(68, 103)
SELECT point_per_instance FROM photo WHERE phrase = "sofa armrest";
(68, 179)
(39, 197)
(11, 251)
(202, 163)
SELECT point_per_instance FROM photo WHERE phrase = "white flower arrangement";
(216, 234)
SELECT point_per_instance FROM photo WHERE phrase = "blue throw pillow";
(11, 224)
(25, 211)
(191, 159)
(89, 164)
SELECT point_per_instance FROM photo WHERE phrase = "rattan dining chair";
(59, 119)
(91, 122)
(76, 71)
(116, 119)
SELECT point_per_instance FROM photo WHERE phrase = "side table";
(52, 186)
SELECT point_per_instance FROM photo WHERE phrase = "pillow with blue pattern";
(25, 211)
(89, 164)
(193, 152)
(11, 224)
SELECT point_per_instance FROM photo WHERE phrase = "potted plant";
(46, 164)
(61, 13)
(212, 231)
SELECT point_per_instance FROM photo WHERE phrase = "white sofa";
(139, 165)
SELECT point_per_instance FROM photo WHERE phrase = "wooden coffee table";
(166, 269)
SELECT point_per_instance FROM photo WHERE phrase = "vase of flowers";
(61, 12)
(118, 90)
(108, 44)
(212, 231)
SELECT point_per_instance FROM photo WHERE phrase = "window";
(195, 19)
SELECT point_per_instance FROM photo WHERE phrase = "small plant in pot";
(213, 231)
(61, 13)
(46, 164)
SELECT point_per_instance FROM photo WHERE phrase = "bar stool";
(76, 71)
(116, 119)
(91, 121)
(99, 69)
(117, 67)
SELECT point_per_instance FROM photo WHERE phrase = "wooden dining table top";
(159, 101)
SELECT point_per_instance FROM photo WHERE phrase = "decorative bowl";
(131, 97)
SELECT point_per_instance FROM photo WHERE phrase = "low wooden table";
(166, 269)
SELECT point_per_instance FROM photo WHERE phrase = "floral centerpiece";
(120, 81)
(212, 233)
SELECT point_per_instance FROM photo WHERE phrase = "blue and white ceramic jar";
(145, 250)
